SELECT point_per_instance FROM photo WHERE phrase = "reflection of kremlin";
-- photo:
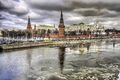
(61, 58)
(114, 43)
(75, 31)
(84, 48)
(79, 48)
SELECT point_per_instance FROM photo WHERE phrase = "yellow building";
(83, 27)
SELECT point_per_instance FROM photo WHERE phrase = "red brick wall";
(73, 36)
(54, 36)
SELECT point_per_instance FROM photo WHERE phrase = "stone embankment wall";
(54, 43)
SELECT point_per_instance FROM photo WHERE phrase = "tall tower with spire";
(29, 25)
(61, 27)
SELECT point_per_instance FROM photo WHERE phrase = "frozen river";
(91, 61)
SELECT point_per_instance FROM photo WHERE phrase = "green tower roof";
(29, 20)
(61, 18)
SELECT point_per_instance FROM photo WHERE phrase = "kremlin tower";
(61, 27)
(29, 28)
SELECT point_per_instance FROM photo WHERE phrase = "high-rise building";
(61, 27)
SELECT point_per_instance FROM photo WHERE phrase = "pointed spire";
(61, 18)
(29, 24)
(29, 21)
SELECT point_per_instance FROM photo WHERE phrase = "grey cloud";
(88, 12)
(1, 17)
(4, 6)
(70, 5)
(47, 11)
(10, 6)
(44, 16)
(18, 13)
(53, 5)
(98, 12)
(97, 5)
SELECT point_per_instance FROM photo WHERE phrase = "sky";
(14, 13)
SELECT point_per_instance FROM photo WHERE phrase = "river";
(98, 60)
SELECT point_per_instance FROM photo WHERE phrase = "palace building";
(83, 27)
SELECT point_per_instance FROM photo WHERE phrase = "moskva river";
(99, 60)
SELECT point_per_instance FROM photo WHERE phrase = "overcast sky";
(14, 13)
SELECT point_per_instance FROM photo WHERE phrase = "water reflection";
(28, 59)
(114, 43)
(61, 58)
(80, 48)
(88, 46)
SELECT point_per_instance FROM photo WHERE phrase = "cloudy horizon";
(14, 13)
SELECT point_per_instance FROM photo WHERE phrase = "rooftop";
(46, 26)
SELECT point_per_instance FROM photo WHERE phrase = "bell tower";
(61, 27)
